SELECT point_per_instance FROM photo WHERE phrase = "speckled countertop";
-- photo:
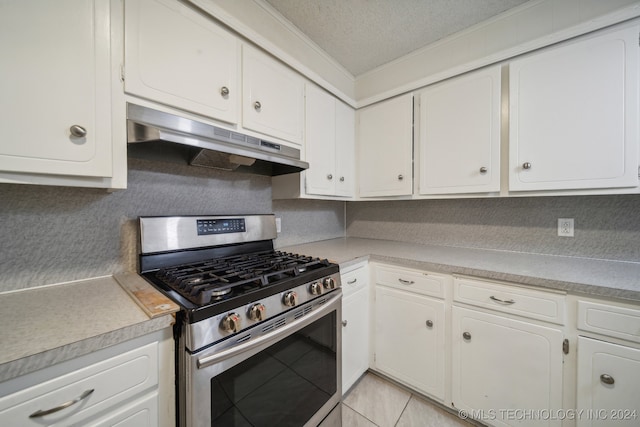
(614, 279)
(47, 325)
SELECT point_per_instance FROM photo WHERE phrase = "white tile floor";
(374, 401)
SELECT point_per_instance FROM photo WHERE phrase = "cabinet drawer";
(354, 280)
(534, 304)
(113, 381)
(412, 280)
(611, 320)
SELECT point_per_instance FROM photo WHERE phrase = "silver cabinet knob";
(78, 131)
(344, 323)
(257, 105)
(256, 312)
(342, 179)
(429, 324)
(483, 169)
(230, 323)
(526, 165)
(466, 336)
(224, 91)
(329, 177)
(290, 299)
(400, 177)
(607, 379)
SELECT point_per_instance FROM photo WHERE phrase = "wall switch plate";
(565, 227)
(278, 225)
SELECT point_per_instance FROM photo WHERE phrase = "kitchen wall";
(606, 227)
(58, 234)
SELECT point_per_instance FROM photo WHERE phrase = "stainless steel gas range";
(257, 339)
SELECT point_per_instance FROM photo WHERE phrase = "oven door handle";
(279, 333)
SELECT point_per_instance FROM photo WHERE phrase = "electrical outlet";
(278, 225)
(565, 227)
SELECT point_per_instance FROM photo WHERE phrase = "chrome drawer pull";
(351, 282)
(65, 405)
(501, 301)
(607, 379)
(406, 282)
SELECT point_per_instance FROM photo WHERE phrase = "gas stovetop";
(215, 265)
(224, 278)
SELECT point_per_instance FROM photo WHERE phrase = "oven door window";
(284, 385)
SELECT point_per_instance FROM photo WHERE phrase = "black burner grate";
(219, 279)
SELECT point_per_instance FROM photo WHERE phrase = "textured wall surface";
(58, 234)
(606, 227)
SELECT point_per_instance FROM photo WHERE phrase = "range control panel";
(220, 226)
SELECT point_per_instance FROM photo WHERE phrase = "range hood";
(157, 135)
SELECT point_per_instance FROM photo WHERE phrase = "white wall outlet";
(278, 225)
(565, 227)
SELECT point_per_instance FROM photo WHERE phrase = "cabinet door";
(273, 96)
(345, 150)
(608, 378)
(409, 339)
(460, 134)
(505, 364)
(574, 115)
(55, 111)
(175, 56)
(355, 337)
(320, 131)
(385, 148)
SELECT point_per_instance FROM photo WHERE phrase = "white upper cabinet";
(459, 146)
(56, 89)
(385, 148)
(345, 150)
(320, 131)
(273, 96)
(574, 115)
(329, 144)
(177, 57)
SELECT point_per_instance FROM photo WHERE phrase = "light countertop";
(47, 325)
(602, 278)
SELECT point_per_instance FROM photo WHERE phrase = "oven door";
(290, 376)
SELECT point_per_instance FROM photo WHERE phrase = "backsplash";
(606, 227)
(58, 234)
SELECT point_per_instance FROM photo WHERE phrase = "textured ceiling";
(363, 34)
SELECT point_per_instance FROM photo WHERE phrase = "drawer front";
(354, 280)
(431, 284)
(113, 381)
(534, 304)
(611, 320)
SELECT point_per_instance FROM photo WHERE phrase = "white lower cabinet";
(608, 384)
(410, 327)
(355, 326)
(502, 365)
(123, 386)
(409, 339)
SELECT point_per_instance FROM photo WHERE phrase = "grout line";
(404, 409)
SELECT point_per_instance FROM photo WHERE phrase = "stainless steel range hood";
(153, 134)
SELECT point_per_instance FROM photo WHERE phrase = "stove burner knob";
(256, 312)
(329, 283)
(290, 299)
(315, 288)
(230, 323)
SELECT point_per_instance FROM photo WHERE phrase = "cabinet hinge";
(374, 357)
(122, 73)
(638, 171)
(565, 346)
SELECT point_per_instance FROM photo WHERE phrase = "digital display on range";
(220, 226)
